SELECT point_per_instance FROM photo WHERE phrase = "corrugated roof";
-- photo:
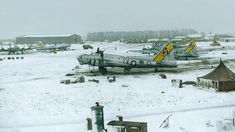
(126, 123)
(220, 73)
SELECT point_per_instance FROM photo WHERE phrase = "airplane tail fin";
(165, 51)
(40, 44)
(190, 47)
(183, 41)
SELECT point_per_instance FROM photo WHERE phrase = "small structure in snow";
(163, 76)
(111, 79)
(93, 80)
(72, 81)
(89, 124)
(81, 79)
(128, 126)
(77, 80)
(221, 78)
(62, 81)
(67, 81)
(177, 83)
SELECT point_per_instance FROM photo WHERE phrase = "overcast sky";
(19, 17)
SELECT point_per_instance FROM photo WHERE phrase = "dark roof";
(220, 73)
(126, 123)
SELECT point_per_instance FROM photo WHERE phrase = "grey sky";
(18, 17)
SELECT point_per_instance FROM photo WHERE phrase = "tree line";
(137, 36)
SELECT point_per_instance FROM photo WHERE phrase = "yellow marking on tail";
(163, 53)
(40, 44)
(190, 47)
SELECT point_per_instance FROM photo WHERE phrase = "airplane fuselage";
(109, 60)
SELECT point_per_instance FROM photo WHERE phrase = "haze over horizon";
(83, 16)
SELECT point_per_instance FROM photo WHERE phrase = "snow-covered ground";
(32, 98)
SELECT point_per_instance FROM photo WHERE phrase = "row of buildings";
(49, 39)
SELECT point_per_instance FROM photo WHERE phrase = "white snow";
(32, 98)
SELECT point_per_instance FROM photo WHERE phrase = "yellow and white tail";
(191, 46)
(40, 44)
(166, 50)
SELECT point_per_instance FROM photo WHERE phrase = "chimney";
(120, 118)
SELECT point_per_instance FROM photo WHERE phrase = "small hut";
(127, 126)
(221, 78)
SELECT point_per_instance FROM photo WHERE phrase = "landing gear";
(103, 70)
(127, 69)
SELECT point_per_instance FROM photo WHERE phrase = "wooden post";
(89, 124)
(180, 84)
(234, 118)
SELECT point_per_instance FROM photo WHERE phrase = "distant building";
(227, 39)
(221, 78)
(152, 40)
(180, 37)
(209, 36)
(197, 37)
(49, 39)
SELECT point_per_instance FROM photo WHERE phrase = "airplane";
(181, 51)
(186, 52)
(51, 48)
(164, 59)
(15, 49)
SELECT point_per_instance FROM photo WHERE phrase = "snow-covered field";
(32, 98)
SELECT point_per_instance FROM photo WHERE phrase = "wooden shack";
(128, 126)
(221, 78)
